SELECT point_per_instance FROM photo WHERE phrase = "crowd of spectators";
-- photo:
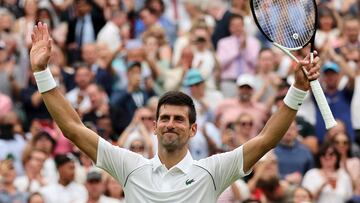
(112, 59)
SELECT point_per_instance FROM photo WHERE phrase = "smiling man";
(172, 175)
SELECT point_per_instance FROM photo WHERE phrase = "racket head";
(289, 23)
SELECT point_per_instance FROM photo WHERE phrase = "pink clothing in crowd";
(5, 104)
(235, 61)
(230, 109)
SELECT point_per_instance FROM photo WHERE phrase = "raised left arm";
(279, 123)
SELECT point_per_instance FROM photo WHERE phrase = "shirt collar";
(184, 165)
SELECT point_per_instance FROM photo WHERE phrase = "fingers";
(40, 32)
(311, 70)
(35, 34)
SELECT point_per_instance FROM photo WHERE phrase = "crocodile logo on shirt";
(188, 182)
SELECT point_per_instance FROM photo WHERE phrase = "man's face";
(67, 171)
(351, 30)
(95, 188)
(134, 77)
(236, 27)
(290, 134)
(331, 79)
(266, 61)
(173, 128)
(37, 160)
(83, 77)
(89, 54)
(245, 93)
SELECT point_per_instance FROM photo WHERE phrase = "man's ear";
(193, 129)
(155, 127)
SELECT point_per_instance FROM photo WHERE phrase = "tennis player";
(172, 175)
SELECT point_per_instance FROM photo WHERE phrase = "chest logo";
(189, 181)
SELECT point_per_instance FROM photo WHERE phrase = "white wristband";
(294, 97)
(44, 80)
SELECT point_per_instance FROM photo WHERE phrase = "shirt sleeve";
(226, 168)
(117, 161)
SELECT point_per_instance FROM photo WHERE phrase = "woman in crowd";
(328, 182)
(347, 162)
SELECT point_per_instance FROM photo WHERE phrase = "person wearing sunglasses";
(328, 183)
(348, 162)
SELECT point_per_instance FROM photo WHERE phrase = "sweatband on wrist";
(294, 98)
(44, 80)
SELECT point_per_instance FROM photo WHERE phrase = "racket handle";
(322, 104)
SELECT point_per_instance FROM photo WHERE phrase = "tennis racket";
(291, 25)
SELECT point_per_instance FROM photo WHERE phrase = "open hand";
(41, 47)
(306, 72)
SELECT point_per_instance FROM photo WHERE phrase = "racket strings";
(289, 23)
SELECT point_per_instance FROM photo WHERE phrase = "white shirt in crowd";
(145, 180)
(110, 35)
(56, 193)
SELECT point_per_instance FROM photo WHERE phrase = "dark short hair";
(236, 16)
(61, 159)
(44, 134)
(178, 99)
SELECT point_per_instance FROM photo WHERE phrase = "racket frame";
(315, 84)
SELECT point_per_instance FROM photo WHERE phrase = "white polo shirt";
(145, 180)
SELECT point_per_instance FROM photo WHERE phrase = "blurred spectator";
(6, 104)
(138, 135)
(13, 7)
(204, 56)
(237, 55)
(125, 102)
(84, 28)
(302, 195)
(150, 17)
(347, 162)
(113, 188)
(33, 179)
(66, 188)
(221, 14)
(207, 139)
(173, 78)
(35, 197)
(294, 159)
(110, 33)
(11, 143)
(348, 43)
(8, 191)
(24, 25)
(98, 58)
(41, 140)
(157, 53)
(78, 96)
(229, 109)
(242, 7)
(339, 100)
(329, 27)
(237, 192)
(243, 128)
(267, 79)
(266, 185)
(328, 182)
(205, 100)
(196, 13)
(96, 187)
(99, 104)
(12, 76)
(33, 104)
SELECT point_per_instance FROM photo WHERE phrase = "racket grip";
(322, 104)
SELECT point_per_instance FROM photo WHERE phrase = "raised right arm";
(60, 109)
